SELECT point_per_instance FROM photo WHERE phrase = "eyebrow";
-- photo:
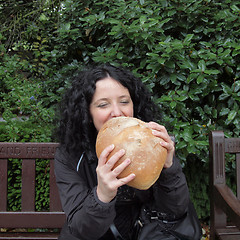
(123, 96)
(99, 100)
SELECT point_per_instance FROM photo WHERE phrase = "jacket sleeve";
(81, 205)
(171, 194)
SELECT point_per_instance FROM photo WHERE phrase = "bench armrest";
(228, 202)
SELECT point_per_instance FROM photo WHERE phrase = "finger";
(168, 145)
(164, 136)
(103, 156)
(111, 162)
(121, 167)
(156, 126)
(159, 131)
(125, 180)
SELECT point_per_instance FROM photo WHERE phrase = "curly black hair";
(76, 130)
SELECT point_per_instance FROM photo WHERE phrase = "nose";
(116, 111)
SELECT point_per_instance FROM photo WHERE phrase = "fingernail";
(128, 160)
(122, 151)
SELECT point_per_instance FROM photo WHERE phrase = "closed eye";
(102, 105)
(125, 101)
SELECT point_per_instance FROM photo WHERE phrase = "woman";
(95, 201)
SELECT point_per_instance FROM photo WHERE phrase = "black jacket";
(89, 219)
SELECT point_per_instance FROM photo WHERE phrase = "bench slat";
(238, 175)
(55, 203)
(28, 185)
(231, 233)
(28, 235)
(32, 219)
(28, 150)
(3, 184)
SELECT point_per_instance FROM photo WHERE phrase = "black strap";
(115, 232)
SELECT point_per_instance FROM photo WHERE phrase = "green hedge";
(186, 52)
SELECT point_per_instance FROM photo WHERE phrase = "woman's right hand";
(108, 181)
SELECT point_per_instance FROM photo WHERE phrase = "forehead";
(109, 85)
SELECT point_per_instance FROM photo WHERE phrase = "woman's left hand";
(161, 132)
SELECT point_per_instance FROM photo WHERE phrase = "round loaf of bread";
(142, 147)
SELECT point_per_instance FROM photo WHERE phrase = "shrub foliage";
(186, 52)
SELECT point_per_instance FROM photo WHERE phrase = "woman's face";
(111, 99)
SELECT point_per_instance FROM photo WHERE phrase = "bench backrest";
(224, 204)
(28, 217)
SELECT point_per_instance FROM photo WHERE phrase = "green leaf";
(200, 78)
(202, 65)
(202, 143)
(65, 27)
(231, 115)
(164, 80)
(235, 8)
(181, 145)
(226, 88)
(223, 96)
(173, 104)
(43, 17)
(120, 55)
(181, 77)
(182, 98)
(143, 18)
(210, 72)
(161, 60)
(187, 135)
(219, 61)
(170, 64)
(224, 111)
(188, 38)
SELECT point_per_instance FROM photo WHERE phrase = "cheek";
(130, 111)
(99, 118)
(102, 117)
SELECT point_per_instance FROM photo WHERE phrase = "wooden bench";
(28, 217)
(224, 204)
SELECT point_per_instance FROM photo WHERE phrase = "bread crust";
(141, 146)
